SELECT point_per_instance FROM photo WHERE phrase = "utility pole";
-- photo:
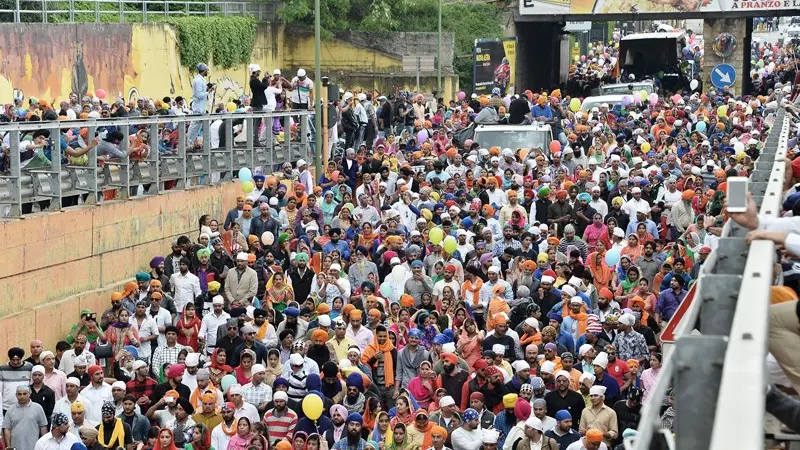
(439, 54)
(318, 147)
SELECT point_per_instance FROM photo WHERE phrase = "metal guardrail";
(122, 11)
(721, 406)
(22, 187)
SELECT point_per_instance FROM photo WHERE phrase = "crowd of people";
(421, 292)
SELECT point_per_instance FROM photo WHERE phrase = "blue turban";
(280, 381)
(294, 312)
(417, 263)
(563, 414)
(470, 414)
(355, 417)
(142, 277)
(355, 380)
(259, 177)
(466, 223)
(537, 383)
(314, 383)
(440, 339)
(584, 196)
(132, 350)
(415, 332)
(449, 333)
(552, 316)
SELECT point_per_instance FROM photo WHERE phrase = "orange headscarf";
(171, 441)
(580, 317)
(601, 272)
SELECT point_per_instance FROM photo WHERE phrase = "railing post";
(154, 160)
(121, 11)
(16, 12)
(71, 11)
(251, 150)
(91, 177)
(144, 11)
(97, 11)
(287, 141)
(229, 145)
(44, 11)
(206, 159)
(305, 122)
(125, 166)
(15, 181)
(56, 183)
(181, 183)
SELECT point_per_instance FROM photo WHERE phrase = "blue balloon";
(612, 257)
(245, 174)
(701, 127)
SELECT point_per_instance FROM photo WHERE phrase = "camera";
(210, 85)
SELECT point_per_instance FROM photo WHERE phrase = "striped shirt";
(297, 385)
(280, 427)
(10, 378)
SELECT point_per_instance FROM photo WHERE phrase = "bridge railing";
(22, 187)
(718, 376)
(122, 11)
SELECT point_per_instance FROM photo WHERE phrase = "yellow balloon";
(450, 244)
(435, 196)
(247, 187)
(230, 107)
(645, 147)
(575, 104)
(435, 236)
(312, 406)
(722, 111)
(643, 95)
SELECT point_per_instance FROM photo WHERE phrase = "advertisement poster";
(494, 61)
(591, 7)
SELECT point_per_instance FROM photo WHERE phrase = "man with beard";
(256, 392)
(598, 416)
(485, 417)
(59, 436)
(134, 419)
(502, 337)
(618, 368)
(355, 401)
(41, 394)
(292, 322)
(220, 260)
(250, 343)
(157, 271)
(381, 357)
(280, 420)
(173, 383)
(241, 282)
(318, 351)
(337, 431)
(468, 436)
(113, 432)
(564, 432)
(475, 384)
(629, 410)
(522, 371)
(207, 413)
(452, 378)
(353, 439)
(602, 378)
(544, 296)
(505, 420)
(302, 277)
(221, 434)
(494, 389)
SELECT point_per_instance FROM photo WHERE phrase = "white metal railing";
(58, 184)
(121, 11)
(718, 405)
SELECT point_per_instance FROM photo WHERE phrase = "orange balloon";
(723, 187)
(555, 147)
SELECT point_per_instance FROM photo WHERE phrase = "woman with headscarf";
(201, 438)
(119, 334)
(244, 371)
(596, 232)
(189, 327)
(627, 288)
(243, 437)
(166, 440)
(218, 359)
(602, 275)
(404, 412)
(634, 248)
(423, 386)
(280, 294)
(419, 434)
(328, 207)
(400, 439)
(403, 326)
(274, 368)
(382, 432)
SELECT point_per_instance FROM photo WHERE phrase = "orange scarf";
(496, 305)
(579, 317)
(535, 339)
(194, 399)
(474, 290)
(388, 365)
(601, 272)
(232, 430)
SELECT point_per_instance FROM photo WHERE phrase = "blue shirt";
(546, 112)
(199, 95)
(685, 280)
(668, 302)
(651, 227)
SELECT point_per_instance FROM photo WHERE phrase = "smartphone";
(737, 194)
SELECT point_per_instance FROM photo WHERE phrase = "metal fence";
(122, 11)
(49, 187)
(719, 375)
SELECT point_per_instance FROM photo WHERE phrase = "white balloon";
(693, 84)
(267, 238)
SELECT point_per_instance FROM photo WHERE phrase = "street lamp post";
(439, 54)
(317, 92)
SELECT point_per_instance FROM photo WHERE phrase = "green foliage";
(467, 21)
(227, 41)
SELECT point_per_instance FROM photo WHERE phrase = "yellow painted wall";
(56, 263)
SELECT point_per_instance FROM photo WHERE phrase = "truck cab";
(654, 55)
(535, 135)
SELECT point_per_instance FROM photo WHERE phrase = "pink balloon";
(583, 58)
(461, 96)
(653, 98)
(422, 136)
(675, 98)
(100, 93)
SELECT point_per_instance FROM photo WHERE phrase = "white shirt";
(96, 397)
(67, 364)
(162, 318)
(184, 288)
(466, 440)
(218, 437)
(271, 93)
(633, 205)
(600, 206)
(209, 326)
(63, 405)
(578, 445)
(189, 380)
(48, 442)
(301, 90)
(148, 328)
(247, 410)
(213, 132)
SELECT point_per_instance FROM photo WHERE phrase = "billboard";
(586, 7)
(494, 61)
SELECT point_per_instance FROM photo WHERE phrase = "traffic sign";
(668, 335)
(723, 75)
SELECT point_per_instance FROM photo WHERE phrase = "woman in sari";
(279, 294)
(234, 240)
(274, 368)
(649, 376)
(166, 440)
(634, 249)
(288, 214)
(328, 207)
(299, 440)
(595, 232)
(601, 273)
(368, 238)
(628, 287)
(343, 220)
(643, 235)
(402, 327)
(119, 334)
(241, 440)
(218, 364)
(423, 385)
(470, 342)
(382, 432)
(244, 371)
(189, 327)
(647, 296)
(201, 438)
(403, 414)
(400, 440)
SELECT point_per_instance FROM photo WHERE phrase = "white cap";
(192, 360)
(80, 361)
(241, 256)
(548, 367)
(576, 300)
(618, 232)
(257, 368)
(548, 279)
(296, 359)
(362, 96)
(37, 369)
(461, 232)
(301, 162)
(601, 360)
(447, 401)
(569, 290)
(347, 96)
(248, 328)
(636, 190)
(499, 349)
(586, 376)
(119, 385)
(490, 436)
(531, 322)
(583, 349)
(494, 269)
(520, 365)
(336, 267)
(276, 72)
(394, 261)
(254, 68)
(627, 319)
(280, 395)
(615, 158)
(324, 320)
(534, 423)
(235, 389)
(218, 300)
(449, 347)
(597, 390)
(543, 227)
(563, 373)
(76, 382)
(138, 364)
(301, 72)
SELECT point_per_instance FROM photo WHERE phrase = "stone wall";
(56, 263)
